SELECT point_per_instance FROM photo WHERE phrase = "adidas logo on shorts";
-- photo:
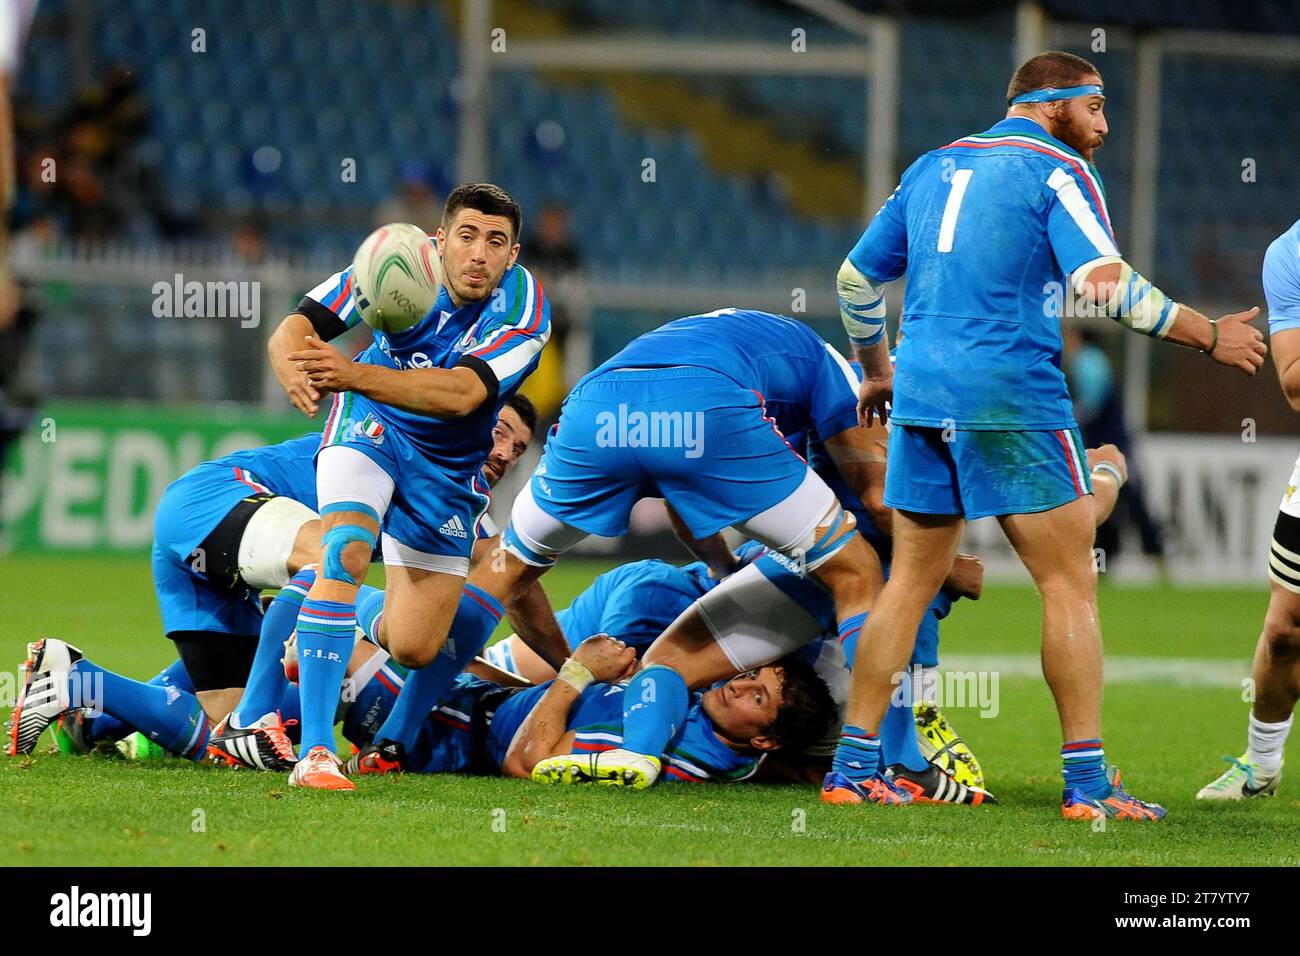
(453, 528)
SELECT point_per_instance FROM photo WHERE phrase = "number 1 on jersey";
(956, 193)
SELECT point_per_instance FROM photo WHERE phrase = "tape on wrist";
(576, 675)
(1108, 468)
(1214, 326)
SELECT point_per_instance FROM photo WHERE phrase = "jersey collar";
(1023, 126)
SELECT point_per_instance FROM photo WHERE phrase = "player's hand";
(1240, 345)
(966, 578)
(295, 384)
(326, 368)
(873, 393)
(1111, 454)
(608, 660)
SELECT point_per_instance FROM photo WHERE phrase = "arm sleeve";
(1282, 283)
(514, 337)
(330, 306)
(880, 256)
(1078, 226)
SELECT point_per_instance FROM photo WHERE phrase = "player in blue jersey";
(694, 412)
(409, 428)
(251, 514)
(486, 726)
(993, 230)
(1276, 671)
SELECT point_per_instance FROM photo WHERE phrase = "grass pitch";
(1168, 737)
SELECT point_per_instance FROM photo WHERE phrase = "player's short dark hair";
(525, 409)
(1055, 68)
(489, 199)
(807, 710)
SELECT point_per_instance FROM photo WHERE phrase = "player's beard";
(468, 295)
(1079, 136)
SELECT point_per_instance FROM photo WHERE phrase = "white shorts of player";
(1284, 550)
(268, 541)
(789, 526)
(345, 474)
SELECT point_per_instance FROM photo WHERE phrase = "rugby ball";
(396, 276)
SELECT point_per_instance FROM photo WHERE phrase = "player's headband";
(1050, 94)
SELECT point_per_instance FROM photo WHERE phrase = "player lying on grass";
(993, 231)
(251, 516)
(767, 610)
(694, 412)
(637, 602)
(408, 431)
(1276, 671)
(488, 726)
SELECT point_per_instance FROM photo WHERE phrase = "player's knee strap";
(840, 532)
(267, 542)
(1133, 300)
(528, 552)
(333, 543)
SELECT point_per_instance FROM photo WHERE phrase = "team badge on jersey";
(372, 429)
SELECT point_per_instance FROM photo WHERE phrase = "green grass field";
(1167, 735)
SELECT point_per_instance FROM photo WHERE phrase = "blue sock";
(477, 616)
(108, 727)
(266, 681)
(370, 608)
(898, 742)
(655, 704)
(1084, 767)
(374, 703)
(858, 754)
(850, 630)
(170, 717)
(326, 632)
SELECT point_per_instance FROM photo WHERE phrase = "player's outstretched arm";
(1124, 295)
(287, 338)
(860, 454)
(544, 732)
(533, 619)
(436, 392)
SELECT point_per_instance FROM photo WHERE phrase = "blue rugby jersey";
(695, 754)
(1282, 281)
(500, 338)
(988, 229)
(802, 381)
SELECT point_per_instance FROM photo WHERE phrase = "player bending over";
(983, 424)
(693, 412)
(1276, 670)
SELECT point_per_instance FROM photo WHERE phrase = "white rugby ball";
(396, 276)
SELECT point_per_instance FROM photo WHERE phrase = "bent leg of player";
(354, 493)
(254, 734)
(1276, 670)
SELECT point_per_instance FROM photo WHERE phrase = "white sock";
(1265, 744)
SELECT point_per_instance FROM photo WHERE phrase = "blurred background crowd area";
(670, 157)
